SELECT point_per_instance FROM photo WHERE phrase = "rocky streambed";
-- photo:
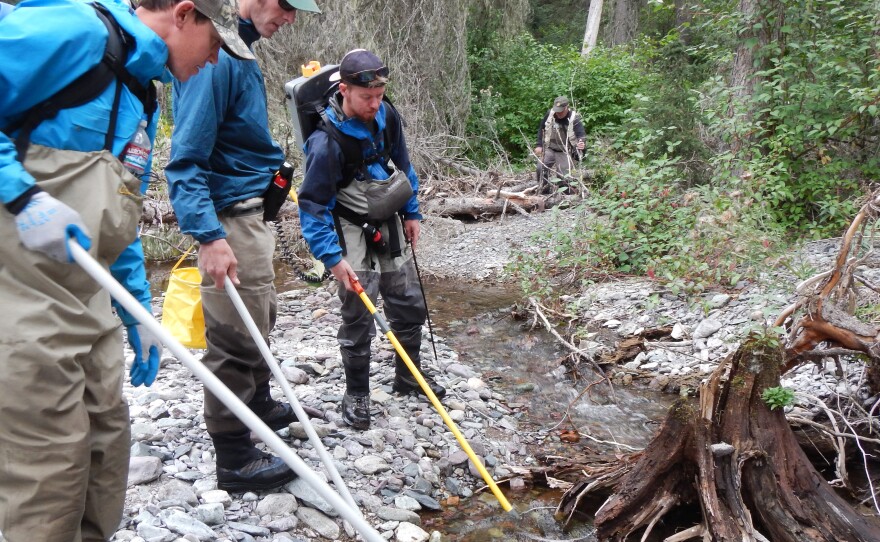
(409, 462)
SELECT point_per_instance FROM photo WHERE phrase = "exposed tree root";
(734, 457)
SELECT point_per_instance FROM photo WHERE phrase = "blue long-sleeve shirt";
(222, 150)
(323, 174)
(34, 69)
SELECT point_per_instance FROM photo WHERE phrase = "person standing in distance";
(561, 141)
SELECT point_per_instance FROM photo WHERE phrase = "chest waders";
(64, 425)
(570, 139)
(63, 473)
(351, 200)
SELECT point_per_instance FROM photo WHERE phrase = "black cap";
(361, 68)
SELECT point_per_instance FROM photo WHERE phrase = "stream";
(522, 363)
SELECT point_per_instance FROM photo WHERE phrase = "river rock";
(143, 469)
(407, 532)
(706, 328)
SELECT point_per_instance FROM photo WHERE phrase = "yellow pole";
(431, 396)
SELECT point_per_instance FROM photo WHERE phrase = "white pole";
(251, 420)
(282, 381)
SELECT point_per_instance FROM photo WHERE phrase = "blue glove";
(147, 348)
(46, 224)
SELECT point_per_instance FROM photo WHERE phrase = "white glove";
(45, 225)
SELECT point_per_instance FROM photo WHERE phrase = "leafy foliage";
(778, 397)
(806, 138)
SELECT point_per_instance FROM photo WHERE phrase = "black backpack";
(89, 86)
(308, 98)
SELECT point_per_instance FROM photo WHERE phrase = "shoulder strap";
(89, 86)
(351, 147)
(352, 152)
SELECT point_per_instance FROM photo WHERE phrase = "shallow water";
(477, 323)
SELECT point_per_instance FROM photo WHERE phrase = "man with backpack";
(561, 137)
(76, 80)
(359, 181)
(223, 160)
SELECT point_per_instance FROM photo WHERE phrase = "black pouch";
(277, 192)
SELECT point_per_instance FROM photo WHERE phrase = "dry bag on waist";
(384, 198)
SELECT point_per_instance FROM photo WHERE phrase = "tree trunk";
(756, 34)
(594, 16)
(624, 21)
(735, 457)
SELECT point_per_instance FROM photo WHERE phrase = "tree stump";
(734, 457)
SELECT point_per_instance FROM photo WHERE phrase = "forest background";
(719, 131)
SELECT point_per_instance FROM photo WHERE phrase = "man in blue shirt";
(333, 211)
(222, 161)
(64, 425)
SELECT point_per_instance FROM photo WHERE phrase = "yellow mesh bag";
(182, 309)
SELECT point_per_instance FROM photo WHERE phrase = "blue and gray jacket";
(222, 150)
(323, 175)
(77, 44)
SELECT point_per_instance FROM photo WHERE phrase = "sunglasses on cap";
(285, 5)
(366, 76)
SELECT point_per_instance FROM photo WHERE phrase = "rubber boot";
(242, 467)
(404, 381)
(356, 410)
(356, 401)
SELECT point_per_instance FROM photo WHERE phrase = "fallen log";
(480, 207)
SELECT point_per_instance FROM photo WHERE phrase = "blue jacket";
(45, 45)
(221, 151)
(317, 195)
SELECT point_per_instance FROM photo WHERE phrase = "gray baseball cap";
(304, 5)
(559, 104)
(224, 15)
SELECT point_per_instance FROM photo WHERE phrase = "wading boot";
(275, 414)
(356, 410)
(405, 382)
(242, 467)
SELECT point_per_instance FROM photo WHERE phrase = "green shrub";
(805, 139)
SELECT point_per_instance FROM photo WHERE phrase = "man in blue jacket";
(64, 425)
(333, 212)
(222, 161)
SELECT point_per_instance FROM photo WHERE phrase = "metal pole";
(246, 415)
(282, 381)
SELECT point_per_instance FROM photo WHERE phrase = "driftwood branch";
(823, 313)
